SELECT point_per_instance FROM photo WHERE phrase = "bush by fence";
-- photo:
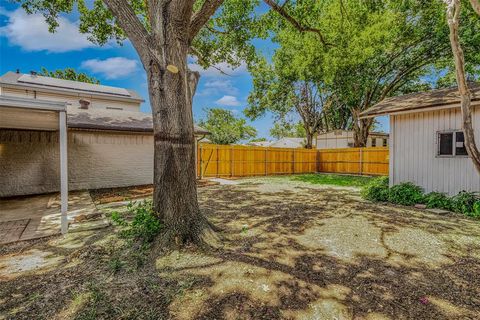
(240, 161)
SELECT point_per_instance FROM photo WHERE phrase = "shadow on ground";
(291, 250)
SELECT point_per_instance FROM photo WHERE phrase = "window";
(385, 142)
(374, 142)
(451, 144)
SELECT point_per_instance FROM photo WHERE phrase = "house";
(105, 141)
(288, 143)
(259, 143)
(344, 139)
(427, 142)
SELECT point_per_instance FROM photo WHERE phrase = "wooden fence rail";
(240, 161)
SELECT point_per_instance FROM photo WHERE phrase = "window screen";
(384, 142)
(445, 144)
(374, 142)
(460, 144)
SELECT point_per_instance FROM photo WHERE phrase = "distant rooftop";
(49, 83)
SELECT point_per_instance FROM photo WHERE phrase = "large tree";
(453, 15)
(279, 89)
(164, 33)
(370, 50)
(225, 127)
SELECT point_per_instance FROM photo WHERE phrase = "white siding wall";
(342, 139)
(413, 154)
(73, 100)
(29, 161)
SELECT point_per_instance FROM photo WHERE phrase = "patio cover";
(33, 114)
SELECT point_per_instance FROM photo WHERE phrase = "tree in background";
(371, 50)
(453, 16)
(279, 89)
(284, 129)
(68, 74)
(225, 128)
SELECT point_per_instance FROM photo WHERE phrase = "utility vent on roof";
(84, 104)
(72, 85)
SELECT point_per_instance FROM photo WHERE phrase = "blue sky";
(26, 44)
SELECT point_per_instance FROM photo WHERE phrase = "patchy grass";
(334, 179)
(292, 250)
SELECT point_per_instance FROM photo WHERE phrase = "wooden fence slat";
(241, 161)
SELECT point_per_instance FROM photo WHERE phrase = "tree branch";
(131, 25)
(201, 17)
(476, 6)
(296, 24)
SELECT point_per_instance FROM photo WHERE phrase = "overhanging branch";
(201, 17)
(296, 24)
(131, 25)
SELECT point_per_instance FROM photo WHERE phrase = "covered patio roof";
(34, 114)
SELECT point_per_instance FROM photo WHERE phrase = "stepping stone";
(420, 206)
(438, 211)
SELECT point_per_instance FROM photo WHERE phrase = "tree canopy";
(225, 127)
(69, 74)
(370, 50)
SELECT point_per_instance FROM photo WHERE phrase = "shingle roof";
(41, 82)
(117, 121)
(422, 100)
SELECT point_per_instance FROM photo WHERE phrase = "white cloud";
(30, 32)
(219, 69)
(215, 87)
(111, 68)
(229, 101)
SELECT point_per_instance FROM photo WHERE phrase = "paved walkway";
(31, 217)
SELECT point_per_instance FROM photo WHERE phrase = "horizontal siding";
(29, 161)
(415, 152)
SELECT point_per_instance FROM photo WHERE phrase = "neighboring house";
(427, 142)
(288, 143)
(260, 143)
(344, 139)
(109, 141)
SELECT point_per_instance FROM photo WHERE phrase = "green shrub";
(406, 194)
(437, 200)
(464, 202)
(476, 209)
(143, 226)
(376, 190)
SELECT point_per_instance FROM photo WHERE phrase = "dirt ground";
(291, 251)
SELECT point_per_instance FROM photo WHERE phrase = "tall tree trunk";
(453, 15)
(361, 129)
(175, 191)
(309, 138)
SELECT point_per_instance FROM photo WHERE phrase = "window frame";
(454, 148)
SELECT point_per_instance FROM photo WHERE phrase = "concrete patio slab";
(32, 217)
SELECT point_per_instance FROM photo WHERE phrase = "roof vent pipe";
(84, 104)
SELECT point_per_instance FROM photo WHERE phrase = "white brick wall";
(29, 161)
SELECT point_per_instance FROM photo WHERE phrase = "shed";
(427, 141)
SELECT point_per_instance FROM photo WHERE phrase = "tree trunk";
(175, 191)
(453, 15)
(309, 138)
(361, 130)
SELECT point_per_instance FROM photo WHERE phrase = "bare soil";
(291, 251)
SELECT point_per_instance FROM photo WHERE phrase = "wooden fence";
(240, 161)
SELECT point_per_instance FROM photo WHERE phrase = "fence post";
(218, 161)
(266, 172)
(201, 162)
(361, 161)
(293, 161)
(231, 161)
